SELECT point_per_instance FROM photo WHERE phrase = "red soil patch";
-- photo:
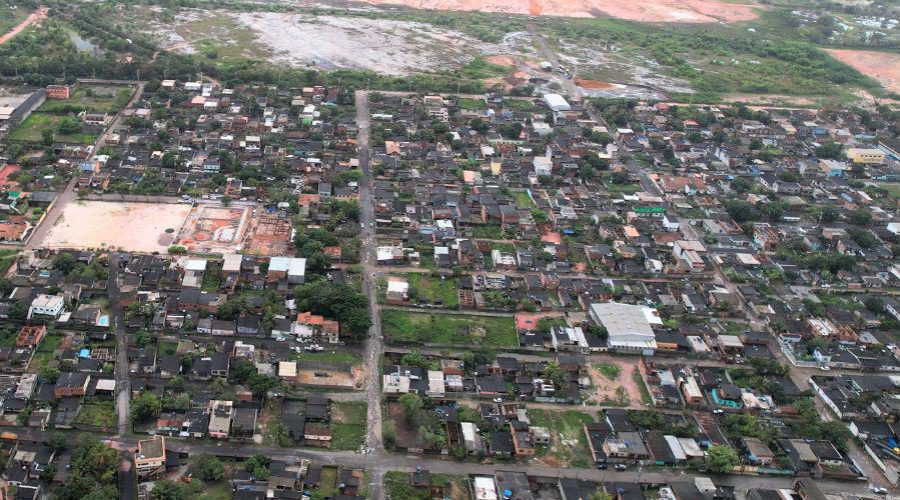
(592, 84)
(32, 18)
(666, 11)
(882, 66)
(502, 60)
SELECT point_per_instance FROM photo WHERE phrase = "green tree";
(146, 406)
(47, 137)
(58, 441)
(830, 149)
(92, 472)
(721, 459)
(258, 465)
(412, 406)
(49, 374)
(860, 217)
(208, 468)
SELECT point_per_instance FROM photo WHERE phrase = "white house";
(46, 305)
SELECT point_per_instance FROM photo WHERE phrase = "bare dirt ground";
(882, 66)
(130, 226)
(335, 378)
(667, 11)
(606, 389)
(32, 18)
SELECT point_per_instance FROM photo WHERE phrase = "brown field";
(139, 227)
(882, 66)
(667, 11)
(335, 378)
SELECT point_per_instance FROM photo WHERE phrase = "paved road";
(374, 342)
(65, 197)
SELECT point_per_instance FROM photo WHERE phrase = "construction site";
(269, 235)
(215, 228)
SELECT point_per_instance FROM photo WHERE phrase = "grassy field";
(349, 412)
(518, 104)
(348, 425)
(32, 128)
(471, 104)
(44, 352)
(433, 290)
(523, 200)
(568, 443)
(448, 329)
(487, 232)
(98, 414)
(347, 437)
(328, 357)
(609, 370)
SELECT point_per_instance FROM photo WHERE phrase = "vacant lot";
(882, 66)
(348, 425)
(427, 289)
(91, 98)
(398, 485)
(97, 414)
(613, 383)
(568, 444)
(666, 11)
(130, 226)
(32, 129)
(448, 329)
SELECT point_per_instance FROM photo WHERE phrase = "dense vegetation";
(719, 59)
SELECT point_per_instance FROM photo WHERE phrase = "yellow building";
(866, 155)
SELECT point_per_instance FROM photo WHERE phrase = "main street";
(378, 464)
(374, 448)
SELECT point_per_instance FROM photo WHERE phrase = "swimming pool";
(103, 321)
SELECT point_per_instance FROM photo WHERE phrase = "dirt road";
(32, 18)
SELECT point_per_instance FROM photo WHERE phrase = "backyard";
(422, 328)
(44, 352)
(568, 444)
(327, 484)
